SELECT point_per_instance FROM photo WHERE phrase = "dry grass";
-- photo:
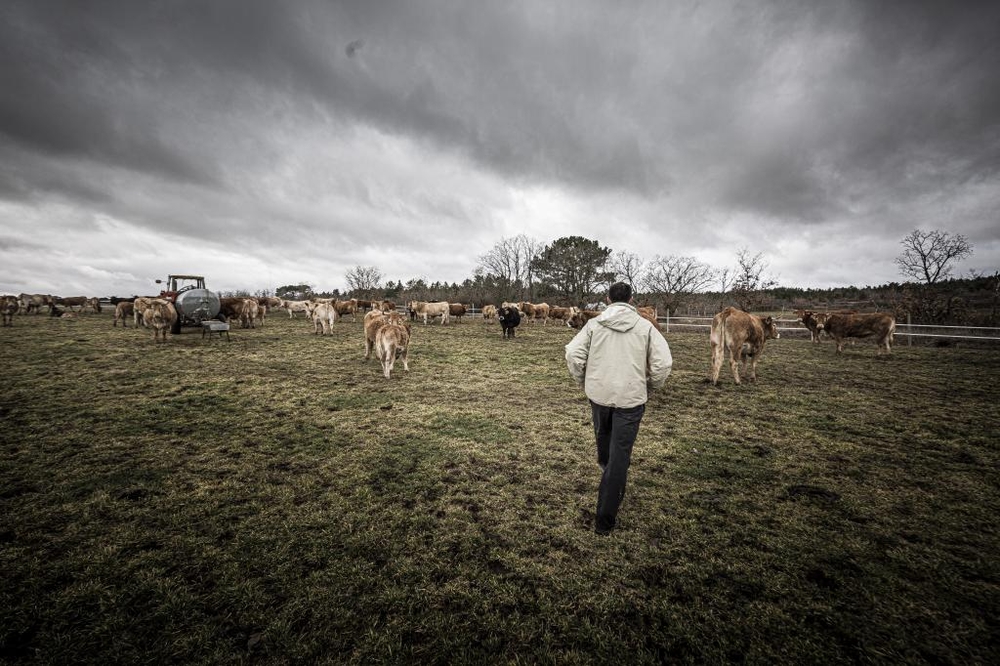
(275, 499)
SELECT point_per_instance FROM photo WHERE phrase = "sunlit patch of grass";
(275, 498)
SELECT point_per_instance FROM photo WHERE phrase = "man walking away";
(617, 357)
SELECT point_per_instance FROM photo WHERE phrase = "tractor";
(194, 303)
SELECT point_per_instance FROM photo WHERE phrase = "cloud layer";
(267, 143)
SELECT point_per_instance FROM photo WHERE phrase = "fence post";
(909, 331)
(668, 320)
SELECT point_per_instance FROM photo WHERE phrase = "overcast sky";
(270, 143)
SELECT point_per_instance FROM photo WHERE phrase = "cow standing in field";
(562, 314)
(323, 316)
(295, 306)
(813, 321)
(581, 317)
(743, 335)
(33, 303)
(375, 320)
(140, 304)
(489, 313)
(347, 307)
(509, 318)
(122, 310)
(456, 310)
(392, 341)
(840, 327)
(424, 309)
(9, 306)
(160, 315)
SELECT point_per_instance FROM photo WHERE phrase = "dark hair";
(620, 292)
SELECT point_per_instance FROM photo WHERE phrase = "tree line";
(573, 270)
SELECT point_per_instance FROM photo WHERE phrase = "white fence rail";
(910, 331)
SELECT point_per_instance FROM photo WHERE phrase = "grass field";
(274, 499)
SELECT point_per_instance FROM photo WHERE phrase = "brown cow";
(160, 315)
(9, 306)
(562, 314)
(744, 335)
(456, 310)
(392, 340)
(843, 326)
(71, 301)
(375, 320)
(347, 307)
(648, 312)
(813, 321)
(122, 310)
(582, 317)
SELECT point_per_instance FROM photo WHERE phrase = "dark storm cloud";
(315, 120)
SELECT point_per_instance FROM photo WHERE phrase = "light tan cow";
(94, 303)
(33, 303)
(375, 320)
(295, 306)
(391, 341)
(124, 309)
(489, 313)
(249, 311)
(160, 315)
(140, 304)
(744, 336)
(323, 316)
(436, 309)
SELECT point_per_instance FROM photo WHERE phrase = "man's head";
(620, 292)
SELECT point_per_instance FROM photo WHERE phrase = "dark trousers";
(615, 429)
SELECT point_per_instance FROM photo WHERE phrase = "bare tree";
(627, 267)
(927, 254)
(748, 280)
(509, 263)
(674, 280)
(363, 280)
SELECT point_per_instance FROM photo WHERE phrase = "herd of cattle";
(739, 334)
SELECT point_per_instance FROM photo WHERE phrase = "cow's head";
(770, 328)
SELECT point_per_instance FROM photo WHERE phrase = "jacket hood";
(619, 317)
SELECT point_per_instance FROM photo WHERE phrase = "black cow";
(509, 319)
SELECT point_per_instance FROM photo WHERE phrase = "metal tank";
(194, 303)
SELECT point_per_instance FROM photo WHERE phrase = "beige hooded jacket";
(618, 356)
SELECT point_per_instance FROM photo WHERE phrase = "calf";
(843, 326)
(392, 340)
(122, 310)
(509, 319)
(813, 321)
(743, 335)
